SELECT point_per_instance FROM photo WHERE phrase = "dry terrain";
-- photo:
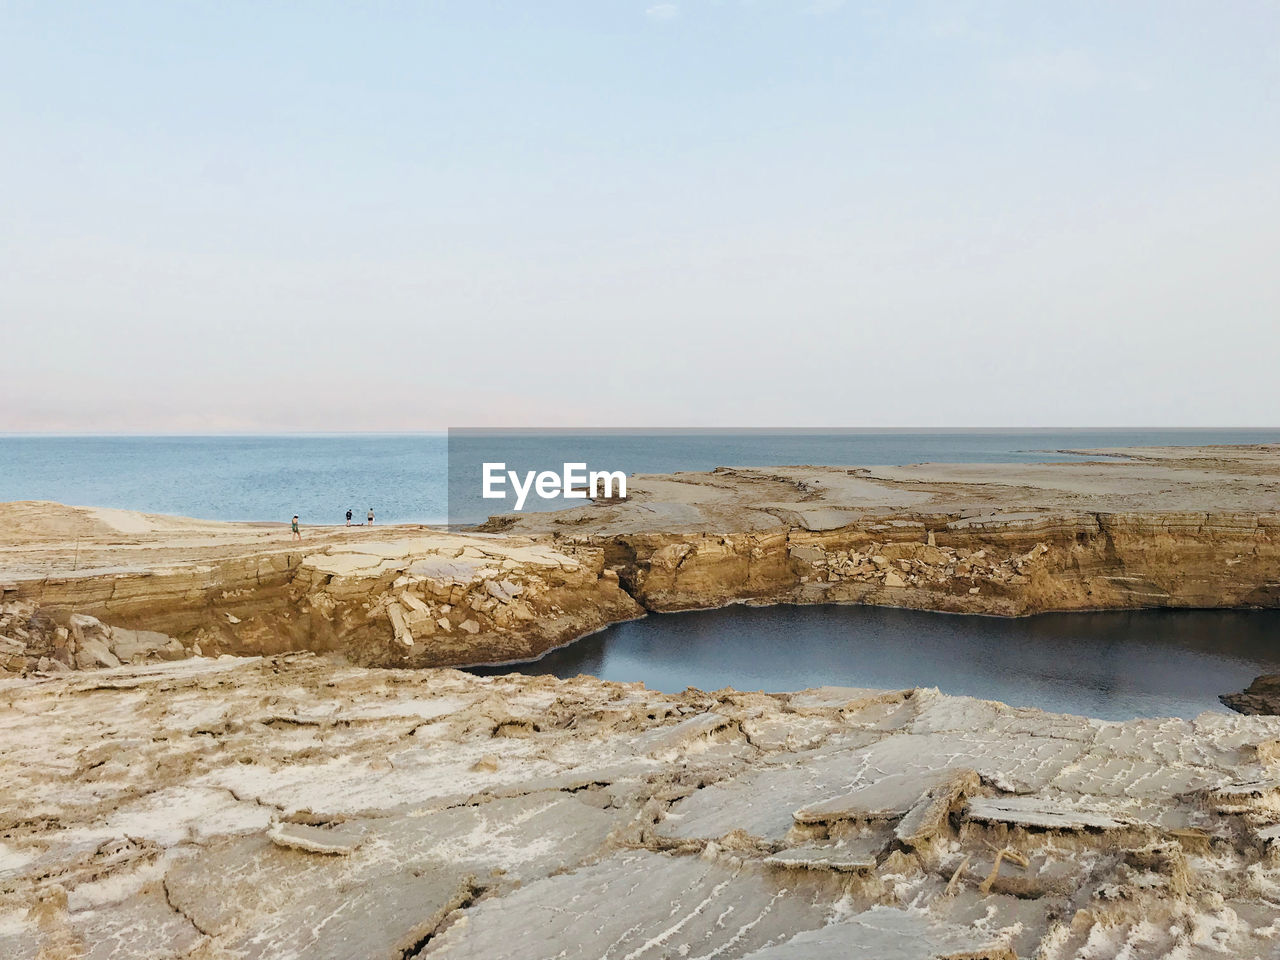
(1173, 527)
(217, 742)
(297, 807)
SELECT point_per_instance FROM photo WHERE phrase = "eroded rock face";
(1185, 527)
(1260, 697)
(52, 640)
(452, 600)
(429, 599)
(1173, 527)
(1003, 565)
(293, 807)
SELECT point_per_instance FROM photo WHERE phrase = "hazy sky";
(407, 216)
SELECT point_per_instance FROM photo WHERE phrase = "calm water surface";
(1114, 666)
(405, 478)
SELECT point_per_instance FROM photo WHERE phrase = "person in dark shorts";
(371, 516)
(348, 518)
(296, 534)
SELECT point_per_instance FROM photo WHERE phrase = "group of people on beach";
(297, 534)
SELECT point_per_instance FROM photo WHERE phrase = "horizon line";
(444, 432)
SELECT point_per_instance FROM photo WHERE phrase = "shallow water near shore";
(1112, 665)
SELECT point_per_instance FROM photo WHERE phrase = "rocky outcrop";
(428, 600)
(1006, 539)
(48, 641)
(1195, 527)
(1262, 697)
(292, 808)
(451, 600)
(1000, 565)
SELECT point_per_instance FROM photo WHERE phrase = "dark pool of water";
(1114, 665)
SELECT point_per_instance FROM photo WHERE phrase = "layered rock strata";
(1192, 527)
(1004, 566)
(292, 807)
(1167, 527)
(423, 600)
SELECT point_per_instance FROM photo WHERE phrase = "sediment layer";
(1186, 527)
(298, 807)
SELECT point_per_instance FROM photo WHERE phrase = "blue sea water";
(405, 478)
(234, 478)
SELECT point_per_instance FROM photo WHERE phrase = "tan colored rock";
(1160, 527)
(399, 625)
(808, 553)
(93, 652)
(932, 555)
(414, 604)
(340, 840)
(378, 816)
(136, 646)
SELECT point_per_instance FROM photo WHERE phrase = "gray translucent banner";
(526, 453)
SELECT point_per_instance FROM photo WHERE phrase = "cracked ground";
(297, 807)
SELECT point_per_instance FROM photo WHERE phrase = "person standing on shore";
(348, 516)
(371, 516)
(297, 535)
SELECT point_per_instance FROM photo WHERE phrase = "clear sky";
(407, 216)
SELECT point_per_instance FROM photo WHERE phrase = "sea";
(404, 478)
